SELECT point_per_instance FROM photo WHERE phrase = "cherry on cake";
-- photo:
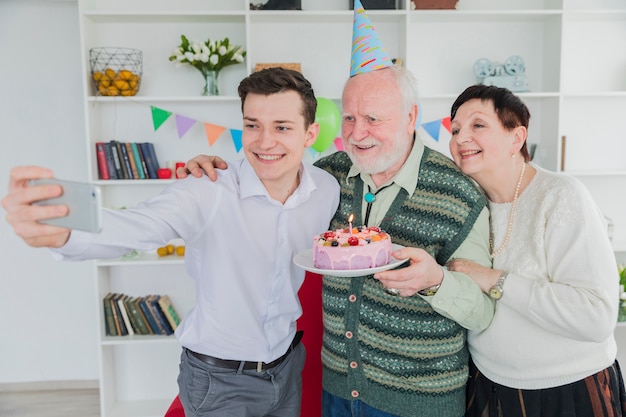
(359, 248)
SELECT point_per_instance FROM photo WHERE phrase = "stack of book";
(126, 160)
(149, 315)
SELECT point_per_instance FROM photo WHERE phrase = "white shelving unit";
(138, 373)
(575, 56)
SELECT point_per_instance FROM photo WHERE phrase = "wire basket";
(116, 71)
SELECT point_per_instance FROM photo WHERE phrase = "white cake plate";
(305, 261)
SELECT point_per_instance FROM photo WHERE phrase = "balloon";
(328, 117)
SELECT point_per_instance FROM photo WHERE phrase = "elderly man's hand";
(196, 165)
(423, 272)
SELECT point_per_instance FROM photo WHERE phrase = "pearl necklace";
(509, 226)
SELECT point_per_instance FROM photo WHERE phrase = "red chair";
(176, 409)
(311, 322)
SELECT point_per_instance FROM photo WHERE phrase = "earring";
(513, 156)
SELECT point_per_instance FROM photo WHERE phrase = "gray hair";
(408, 86)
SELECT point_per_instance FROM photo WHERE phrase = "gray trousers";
(209, 391)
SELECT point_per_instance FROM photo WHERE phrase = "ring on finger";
(392, 291)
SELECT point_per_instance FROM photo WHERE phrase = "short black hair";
(277, 80)
(511, 110)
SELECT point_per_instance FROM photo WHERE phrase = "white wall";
(47, 312)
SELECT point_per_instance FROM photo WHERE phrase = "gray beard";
(383, 162)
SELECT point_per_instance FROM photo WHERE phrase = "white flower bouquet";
(208, 57)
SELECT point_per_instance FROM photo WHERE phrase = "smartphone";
(83, 200)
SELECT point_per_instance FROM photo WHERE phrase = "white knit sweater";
(554, 324)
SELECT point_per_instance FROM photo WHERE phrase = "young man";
(241, 354)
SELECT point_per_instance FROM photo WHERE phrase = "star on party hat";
(368, 53)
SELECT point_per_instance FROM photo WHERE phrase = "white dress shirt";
(239, 245)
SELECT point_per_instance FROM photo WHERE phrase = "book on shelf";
(153, 156)
(136, 319)
(116, 160)
(125, 317)
(153, 304)
(109, 322)
(126, 160)
(140, 167)
(120, 317)
(143, 160)
(121, 152)
(103, 168)
(117, 316)
(137, 302)
(110, 161)
(149, 155)
(131, 160)
(116, 325)
(169, 311)
(152, 320)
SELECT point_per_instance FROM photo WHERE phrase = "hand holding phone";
(83, 200)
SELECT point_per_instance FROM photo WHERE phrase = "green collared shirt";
(459, 297)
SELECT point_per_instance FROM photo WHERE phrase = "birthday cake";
(359, 248)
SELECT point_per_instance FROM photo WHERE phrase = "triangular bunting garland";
(213, 132)
(446, 123)
(159, 116)
(183, 124)
(433, 129)
(236, 134)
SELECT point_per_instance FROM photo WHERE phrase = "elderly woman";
(550, 349)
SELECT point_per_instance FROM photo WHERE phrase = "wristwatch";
(430, 291)
(497, 290)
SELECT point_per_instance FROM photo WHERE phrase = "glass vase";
(210, 84)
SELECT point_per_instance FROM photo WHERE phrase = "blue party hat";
(368, 53)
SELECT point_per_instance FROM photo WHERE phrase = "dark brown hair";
(511, 110)
(279, 80)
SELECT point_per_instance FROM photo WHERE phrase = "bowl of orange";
(116, 71)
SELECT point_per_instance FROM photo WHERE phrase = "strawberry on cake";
(359, 248)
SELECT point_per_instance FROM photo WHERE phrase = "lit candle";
(350, 218)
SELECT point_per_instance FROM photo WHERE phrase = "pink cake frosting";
(365, 247)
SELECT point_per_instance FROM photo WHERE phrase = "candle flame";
(351, 217)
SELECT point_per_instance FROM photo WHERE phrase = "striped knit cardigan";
(393, 353)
